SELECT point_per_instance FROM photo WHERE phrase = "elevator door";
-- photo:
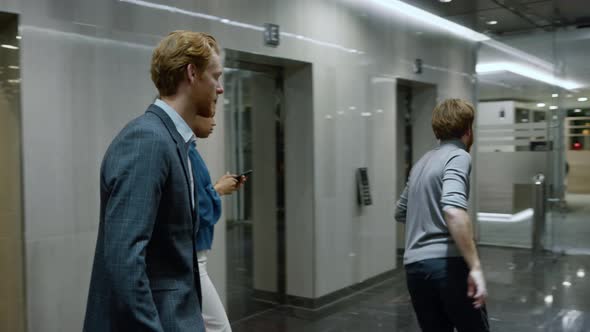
(255, 222)
(415, 102)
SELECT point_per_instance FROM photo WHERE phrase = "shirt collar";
(181, 126)
(456, 142)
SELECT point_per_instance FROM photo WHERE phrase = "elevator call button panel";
(364, 190)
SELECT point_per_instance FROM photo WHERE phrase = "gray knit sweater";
(440, 179)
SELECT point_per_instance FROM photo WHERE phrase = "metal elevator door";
(255, 215)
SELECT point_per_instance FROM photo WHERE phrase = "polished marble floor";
(527, 293)
(570, 231)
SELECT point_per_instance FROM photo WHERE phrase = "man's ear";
(191, 73)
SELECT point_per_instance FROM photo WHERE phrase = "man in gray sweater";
(444, 274)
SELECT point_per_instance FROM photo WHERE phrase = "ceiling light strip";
(176, 10)
(535, 74)
(427, 18)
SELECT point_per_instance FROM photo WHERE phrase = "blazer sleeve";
(135, 173)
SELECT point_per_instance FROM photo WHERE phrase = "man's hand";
(476, 288)
(461, 230)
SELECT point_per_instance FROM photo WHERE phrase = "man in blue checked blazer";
(145, 275)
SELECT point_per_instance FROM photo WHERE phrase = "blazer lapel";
(180, 148)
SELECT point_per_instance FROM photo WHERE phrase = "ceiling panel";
(507, 21)
(454, 8)
(536, 27)
(512, 15)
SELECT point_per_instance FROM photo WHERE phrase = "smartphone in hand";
(246, 173)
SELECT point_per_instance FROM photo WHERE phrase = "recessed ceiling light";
(577, 110)
(492, 22)
(555, 95)
(445, 1)
(566, 283)
(583, 99)
(541, 105)
(10, 47)
(19, 37)
(553, 107)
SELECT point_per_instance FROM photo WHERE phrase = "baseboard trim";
(316, 303)
(267, 296)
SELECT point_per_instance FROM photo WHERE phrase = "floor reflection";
(545, 293)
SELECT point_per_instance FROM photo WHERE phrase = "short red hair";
(452, 118)
(174, 53)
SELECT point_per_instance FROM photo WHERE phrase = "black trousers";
(438, 288)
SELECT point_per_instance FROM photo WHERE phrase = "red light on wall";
(577, 146)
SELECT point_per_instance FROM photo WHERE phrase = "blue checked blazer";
(145, 273)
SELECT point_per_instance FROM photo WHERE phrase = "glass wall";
(533, 119)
